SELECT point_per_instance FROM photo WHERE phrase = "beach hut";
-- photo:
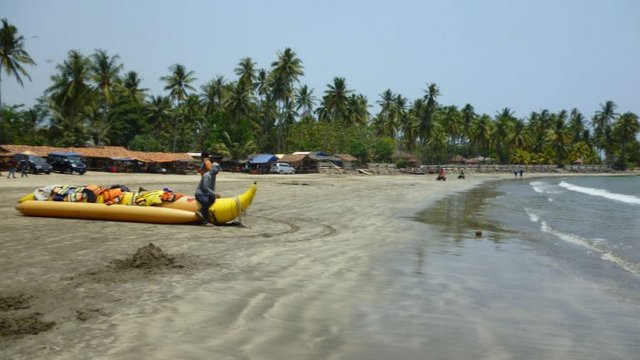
(302, 162)
(260, 164)
(348, 161)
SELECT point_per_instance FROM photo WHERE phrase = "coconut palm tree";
(213, 93)
(158, 113)
(131, 87)
(625, 130)
(304, 101)
(179, 82)
(601, 124)
(12, 55)
(559, 138)
(468, 115)
(70, 97)
(518, 138)
(284, 73)
(105, 72)
(576, 125)
(357, 110)
(481, 133)
(239, 105)
(336, 98)
(503, 123)
(246, 73)
(426, 122)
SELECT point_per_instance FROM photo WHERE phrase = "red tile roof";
(98, 152)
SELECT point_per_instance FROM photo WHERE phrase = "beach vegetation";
(92, 101)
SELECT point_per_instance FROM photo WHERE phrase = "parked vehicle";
(66, 162)
(282, 168)
(36, 164)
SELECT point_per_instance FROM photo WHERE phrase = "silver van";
(282, 168)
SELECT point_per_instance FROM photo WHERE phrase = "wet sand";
(301, 279)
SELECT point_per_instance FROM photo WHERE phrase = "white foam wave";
(533, 217)
(599, 246)
(629, 199)
(538, 186)
(542, 187)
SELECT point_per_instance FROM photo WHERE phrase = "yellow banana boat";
(181, 211)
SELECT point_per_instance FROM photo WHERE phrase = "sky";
(525, 55)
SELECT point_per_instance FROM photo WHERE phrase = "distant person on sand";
(205, 163)
(206, 193)
(442, 174)
(12, 169)
(24, 166)
(520, 172)
(461, 175)
(515, 172)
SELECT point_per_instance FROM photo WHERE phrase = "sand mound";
(148, 257)
(14, 322)
(21, 324)
(17, 302)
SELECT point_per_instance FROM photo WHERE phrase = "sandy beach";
(300, 279)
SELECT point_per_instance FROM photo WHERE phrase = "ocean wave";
(533, 217)
(542, 187)
(598, 246)
(629, 199)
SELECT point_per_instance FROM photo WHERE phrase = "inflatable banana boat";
(156, 206)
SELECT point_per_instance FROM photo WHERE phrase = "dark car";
(36, 164)
(66, 162)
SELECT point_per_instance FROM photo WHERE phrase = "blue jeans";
(205, 200)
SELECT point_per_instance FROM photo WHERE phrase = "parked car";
(36, 164)
(66, 162)
(282, 168)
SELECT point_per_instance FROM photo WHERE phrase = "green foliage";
(383, 149)
(90, 102)
(401, 163)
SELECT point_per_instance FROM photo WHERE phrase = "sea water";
(554, 272)
(591, 224)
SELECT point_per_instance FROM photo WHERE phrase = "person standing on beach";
(206, 193)
(12, 169)
(24, 166)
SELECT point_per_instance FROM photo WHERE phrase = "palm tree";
(386, 120)
(481, 133)
(426, 122)
(357, 110)
(335, 99)
(234, 150)
(625, 130)
(304, 100)
(504, 120)
(158, 113)
(179, 82)
(284, 71)
(105, 72)
(12, 55)
(601, 123)
(468, 115)
(576, 125)
(213, 93)
(131, 87)
(559, 138)
(246, 72)
(238, 106)
(518, 138)
(71, 96)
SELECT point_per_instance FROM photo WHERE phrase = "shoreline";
(286, 284)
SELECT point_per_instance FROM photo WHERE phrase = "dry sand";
(287, 284)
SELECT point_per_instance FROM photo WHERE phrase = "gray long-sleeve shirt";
(207, 183)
